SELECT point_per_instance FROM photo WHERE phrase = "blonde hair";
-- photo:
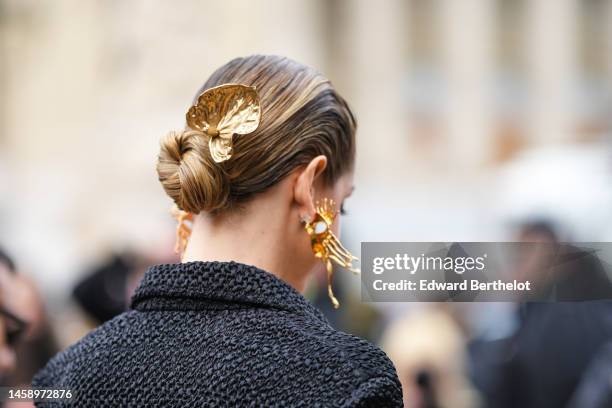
(302, 117)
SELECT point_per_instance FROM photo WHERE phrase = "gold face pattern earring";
(325, 245)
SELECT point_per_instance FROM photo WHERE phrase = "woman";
(268, 149)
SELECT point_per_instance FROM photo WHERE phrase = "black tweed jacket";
(216, 334)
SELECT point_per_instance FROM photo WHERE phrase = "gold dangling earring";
(183, 229)
(325, 245)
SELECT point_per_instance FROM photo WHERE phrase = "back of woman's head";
(302, 117)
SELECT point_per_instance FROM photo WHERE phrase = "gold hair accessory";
(326, 246)
(223, 111)
(183, 229)
(219, 113)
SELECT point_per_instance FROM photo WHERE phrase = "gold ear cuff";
(326, 246)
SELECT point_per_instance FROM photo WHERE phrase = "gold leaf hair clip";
(223, 111)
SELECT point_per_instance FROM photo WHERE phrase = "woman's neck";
(256, 235)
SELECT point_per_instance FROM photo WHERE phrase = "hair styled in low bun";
(302, 117)
(189, 175)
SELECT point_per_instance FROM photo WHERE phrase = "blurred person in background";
(269, 143)
(26, 340)
(355, 317)
(108, 286)
(102, 293)
(11, 327)
(595, 387)
(427, 347)
(559, 271)
(541, 363)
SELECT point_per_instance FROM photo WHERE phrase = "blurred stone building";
(447, 93)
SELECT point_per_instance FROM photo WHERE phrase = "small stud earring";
(325, 245)
(305, 219)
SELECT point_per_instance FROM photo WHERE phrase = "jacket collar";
(205, 285)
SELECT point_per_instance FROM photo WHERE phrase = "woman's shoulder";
(364, 360)
(370, 373)
(246, 350)
(356, 368)
(61, 369)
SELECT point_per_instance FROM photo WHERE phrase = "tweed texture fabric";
(220, 334)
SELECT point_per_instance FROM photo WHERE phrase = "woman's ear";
(303, 191)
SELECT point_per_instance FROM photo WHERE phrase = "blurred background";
(479, 120)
